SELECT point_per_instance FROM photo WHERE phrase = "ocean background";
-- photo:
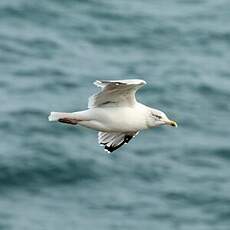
(54, 176)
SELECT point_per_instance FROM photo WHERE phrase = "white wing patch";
(115, 93)
(113, 141)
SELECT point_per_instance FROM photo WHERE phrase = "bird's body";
(115, 113)
(121, 119)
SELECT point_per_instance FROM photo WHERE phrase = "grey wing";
(115, 93)
(113, 141)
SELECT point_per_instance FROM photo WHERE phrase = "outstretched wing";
(113, 141)
(115, 93)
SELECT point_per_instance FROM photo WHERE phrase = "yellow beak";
(171, 123)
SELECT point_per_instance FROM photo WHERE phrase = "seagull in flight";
(115, 113)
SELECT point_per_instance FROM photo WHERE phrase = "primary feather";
(113, 140)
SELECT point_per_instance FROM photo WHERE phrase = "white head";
(157, 118)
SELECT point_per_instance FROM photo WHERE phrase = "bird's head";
(157, 118)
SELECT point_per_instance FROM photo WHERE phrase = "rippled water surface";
(54, 176)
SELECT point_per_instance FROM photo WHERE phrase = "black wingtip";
(112, 148)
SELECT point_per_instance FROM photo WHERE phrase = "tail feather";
(55, 116)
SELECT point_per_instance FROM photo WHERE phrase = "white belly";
(116, 119)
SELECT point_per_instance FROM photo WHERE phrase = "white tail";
(55, 116)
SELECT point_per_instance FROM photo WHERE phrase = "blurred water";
(54, 176)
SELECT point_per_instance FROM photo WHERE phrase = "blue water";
(54, 176)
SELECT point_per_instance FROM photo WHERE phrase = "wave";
(29, 173)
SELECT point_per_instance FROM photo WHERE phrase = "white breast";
(117, 119)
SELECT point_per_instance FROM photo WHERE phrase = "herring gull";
(115, 113)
